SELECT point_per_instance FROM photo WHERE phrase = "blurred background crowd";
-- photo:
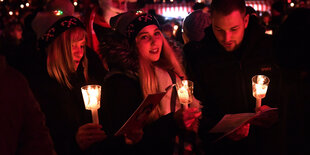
(170, 13)
(61, 45)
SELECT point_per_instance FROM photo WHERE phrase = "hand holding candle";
(185, 92)
(91, 95)
(259, 87)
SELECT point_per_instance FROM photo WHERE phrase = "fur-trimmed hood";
(118, 53)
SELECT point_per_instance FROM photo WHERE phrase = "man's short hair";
(228, 6)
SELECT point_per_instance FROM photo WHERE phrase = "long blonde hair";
(148, 80)
(59, 58)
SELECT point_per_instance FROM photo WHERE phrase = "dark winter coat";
(223, 79)
(63, 107)
(122, 96)
(23, 129)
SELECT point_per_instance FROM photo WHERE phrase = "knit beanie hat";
(55, 10)
(58, 28)
(130, 23)
(194, 25)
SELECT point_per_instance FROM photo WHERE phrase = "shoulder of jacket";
(114, 73)
(2, 64)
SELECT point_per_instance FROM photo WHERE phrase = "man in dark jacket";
(222, 65)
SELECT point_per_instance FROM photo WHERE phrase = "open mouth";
(154, 51)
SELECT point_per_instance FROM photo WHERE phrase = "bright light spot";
(139, 12)
(58, 12)
(1, 0)
(269, 32)
(27, 4)
(75, 3)
(175, 27)
(11, 13)
(171, 0)
(22, 6)
(16, 13)
(292, 4)
(175, 13)
(199, 1)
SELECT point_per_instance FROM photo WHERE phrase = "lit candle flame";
(260, 88)
(91, 95)
(185, 93)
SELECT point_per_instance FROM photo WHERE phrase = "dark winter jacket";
(223, 79)
(23, 130)
(63, 107)
(122, 96)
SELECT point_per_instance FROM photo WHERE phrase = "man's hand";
(264, 107)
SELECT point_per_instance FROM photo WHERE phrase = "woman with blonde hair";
(61, 62)
(141, 62)
(65, 66)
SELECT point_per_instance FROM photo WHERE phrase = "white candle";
(91, 95)
(94, 114)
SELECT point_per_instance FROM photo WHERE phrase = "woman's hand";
(240, 133)
(88, 134)
(188, 118)
(133, 136)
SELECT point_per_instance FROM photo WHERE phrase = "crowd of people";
(45, 61)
